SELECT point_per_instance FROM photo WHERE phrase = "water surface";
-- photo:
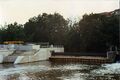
(46, 70)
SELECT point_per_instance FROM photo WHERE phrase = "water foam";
(19, 70)
(76, 76)
(73, 67)
(108, 69)
(23, 76)
(23, 71)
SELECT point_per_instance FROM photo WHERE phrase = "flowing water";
(46, 70)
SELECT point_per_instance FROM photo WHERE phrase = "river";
(46, 70)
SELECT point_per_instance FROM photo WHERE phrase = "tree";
(46, 28)
(98, 32)
(12, 32)
(73, 40)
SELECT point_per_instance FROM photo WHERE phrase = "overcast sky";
(22, 10)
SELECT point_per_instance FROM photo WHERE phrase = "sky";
(21, 10)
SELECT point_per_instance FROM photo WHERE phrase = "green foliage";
(12, 32)
(99, 32)
(73, 40)
(46, 28)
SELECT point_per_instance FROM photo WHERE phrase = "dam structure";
(18, 53)
(25, 53)
(87, 58)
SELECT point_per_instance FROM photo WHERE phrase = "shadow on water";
(46, 70)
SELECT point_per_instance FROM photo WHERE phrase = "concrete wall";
(27, 47)
(10, 46)
(1, 58)
(24, 47)
(41, 54)
(55, 49)
(10, 59)
(37, 47)
(6, 52)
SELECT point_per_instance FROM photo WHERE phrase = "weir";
(109, 57)
(28, 53)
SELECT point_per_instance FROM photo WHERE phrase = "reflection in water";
(46, 70)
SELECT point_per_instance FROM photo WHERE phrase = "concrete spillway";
(25, 56)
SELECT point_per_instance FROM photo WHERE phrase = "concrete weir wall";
(41, 54)
(27, 47)
(4, 53)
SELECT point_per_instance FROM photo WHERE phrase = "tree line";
(93, 33)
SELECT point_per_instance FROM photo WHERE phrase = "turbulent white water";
(60, 71)
(76, 76)
(38, 68)
(72, 67)
(23, 76)
(108, 69)
(25, 69)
